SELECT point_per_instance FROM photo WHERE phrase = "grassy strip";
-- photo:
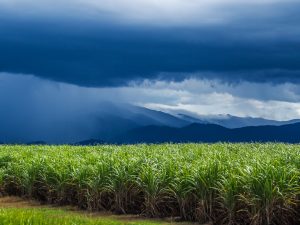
(254, 184)
(16, 216)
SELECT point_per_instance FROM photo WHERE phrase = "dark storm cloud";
(258, 44)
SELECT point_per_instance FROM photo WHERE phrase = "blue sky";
(205, 57)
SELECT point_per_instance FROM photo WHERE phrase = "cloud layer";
(153, 12)
(109, 43)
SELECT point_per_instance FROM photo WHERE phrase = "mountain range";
(212, 133)
(124, 123)
(230, 121)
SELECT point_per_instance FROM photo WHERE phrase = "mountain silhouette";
(90, 142)
(126, 123)
(37, 143)
(211, 133)
(231, 121)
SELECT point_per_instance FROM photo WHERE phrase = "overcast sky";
(207, 57)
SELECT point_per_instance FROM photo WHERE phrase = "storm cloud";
(104, 43)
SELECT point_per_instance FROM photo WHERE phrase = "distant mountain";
(193, 119)
(37, 143)
(230, 121)
(142, 116)
(125, 123)
(113, 120)
(90, 142)
(211, 133)
(102, 121)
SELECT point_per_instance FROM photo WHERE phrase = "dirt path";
(16, 202)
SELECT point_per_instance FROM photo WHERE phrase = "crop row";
(221, 183)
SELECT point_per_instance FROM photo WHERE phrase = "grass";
(17, 216)
(257, 184)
